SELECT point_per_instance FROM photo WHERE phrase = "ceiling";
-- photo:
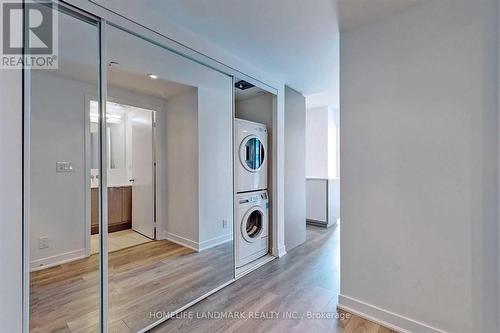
(248, 93)
(78, 60)
(296, 41)
(142, 84)
(356, 13)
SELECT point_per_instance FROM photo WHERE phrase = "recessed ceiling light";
(152, 76)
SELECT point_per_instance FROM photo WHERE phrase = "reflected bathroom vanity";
(119, 208)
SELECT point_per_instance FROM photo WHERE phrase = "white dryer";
(250, 156)
(251, 227)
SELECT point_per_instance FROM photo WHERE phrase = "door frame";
(139, 102)
(154, 163)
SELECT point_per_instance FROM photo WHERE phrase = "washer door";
(252, 224)
(252, 153)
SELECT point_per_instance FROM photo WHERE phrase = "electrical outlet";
(43, 242)
(224, 224)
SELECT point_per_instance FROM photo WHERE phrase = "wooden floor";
(155, 276)
(305, 280)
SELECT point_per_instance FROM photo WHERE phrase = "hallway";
(305, 280)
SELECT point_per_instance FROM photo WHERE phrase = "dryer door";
(252, 153)
(252, 224)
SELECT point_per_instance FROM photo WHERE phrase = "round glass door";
(252, 226)
(252, 153)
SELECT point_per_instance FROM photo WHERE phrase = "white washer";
(250, 156)
(252, 224)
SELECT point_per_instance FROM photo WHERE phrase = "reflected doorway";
(130, 154)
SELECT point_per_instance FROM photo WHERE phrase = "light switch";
(64, 167)
(43, 242)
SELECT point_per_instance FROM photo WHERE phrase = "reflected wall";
(189, 251)
(63, 258)
(163, 141)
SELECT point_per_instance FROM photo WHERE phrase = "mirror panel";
(178, 181)
(169, 170)
(63, 201)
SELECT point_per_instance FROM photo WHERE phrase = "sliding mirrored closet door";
(129, 181)
(170, 181)
(62, 159)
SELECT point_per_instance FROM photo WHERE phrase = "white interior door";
(142, 172)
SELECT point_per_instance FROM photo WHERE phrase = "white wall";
(317, 200)
(57, 200)
(317, 142)
(322, 163)
(199, 172)
(333, 142)
(321, 142)
(295, 169)
(11, 171)
(258, 109)
(181, 129)
(419, 161)
(333, 201)
(215, 160)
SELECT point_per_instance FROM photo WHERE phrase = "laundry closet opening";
(254, 111)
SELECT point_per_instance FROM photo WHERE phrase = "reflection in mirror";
(64, 262)
(178, 156)
(115, 136)
(253, 144)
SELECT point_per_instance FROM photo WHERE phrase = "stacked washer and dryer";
(251, 202)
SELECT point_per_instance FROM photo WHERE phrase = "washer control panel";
(254, 198)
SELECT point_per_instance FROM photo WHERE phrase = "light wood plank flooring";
(162, 276)
(155, 276)
(305, 280)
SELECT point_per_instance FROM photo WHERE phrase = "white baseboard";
(384, 317)
(215, 241)
(58, 259)
(182, 241)
(201, 246)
